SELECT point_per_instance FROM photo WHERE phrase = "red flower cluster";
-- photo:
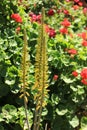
(72, 51)
(84, 73)
(85, 11)
(75, 7)
(83, 35)
(35, 18)
(50, 12)
(66, 23)
(63, 30)
(51, 32)
(17, 18)
(75, 73)
(84, 81)
(84, 43)
(66, 12)
(67, 0)
(78, 2)
(55, 77)
(84, 76)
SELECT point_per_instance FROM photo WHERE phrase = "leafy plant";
(65, 25)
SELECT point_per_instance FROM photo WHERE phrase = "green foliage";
(9, 113)
(66, 104)
(1, 127)
(84, 123)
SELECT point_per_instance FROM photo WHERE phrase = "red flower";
(80, 3)
(66, 12)
(85, 11)
(17, 18)
(84, 43)
(47, 28)
(63, 30)
(66, 23)
(75, 7)
(72, 51)
(55, 77)
(18, 29)
(75, 74)
(83, 35)
(35, 18)
(84, 81)
(39, 17)
(84, 73)
(84, 76)
(51, 32)
(76, 1)
(67, 0)
(50, 12)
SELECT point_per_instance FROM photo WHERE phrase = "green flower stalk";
(41, 74)
(24, 76)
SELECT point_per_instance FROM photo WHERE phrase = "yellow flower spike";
(24, 76)
(41, 74)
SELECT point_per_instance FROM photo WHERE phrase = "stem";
(46, 126)
(26, 113)
(35, 120)
(24, 76)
